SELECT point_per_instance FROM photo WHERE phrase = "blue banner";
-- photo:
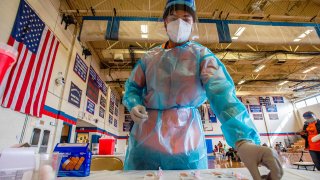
(127, 118)
(264, 101)
(115, 123)
(75, 95)
(103, 101)
(271, 108)
(278, 99)
(80, 68)
(101, 112)
(90, 106)
(110, 119)
(212, 116)
(100, 84)
(126, 127)
(255, 108)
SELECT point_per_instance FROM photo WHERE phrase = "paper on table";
(17, 159)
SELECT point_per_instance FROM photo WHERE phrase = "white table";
(289, 174)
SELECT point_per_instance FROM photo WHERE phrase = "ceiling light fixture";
(144, 29)
(296, 40)
(234, 37)
(241, 81)
(239, 31)
(310, 69)
(303, 35)
(308, 31)
(284, 82)
(259, 68)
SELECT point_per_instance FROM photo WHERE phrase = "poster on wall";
(90, 106)
(271, 108)
(92, 90)
(111, 107)
(250, 100)
(117, 102)
(212, 116)
(101, 112)
(103, 101)
(115, 123)
(127, 118)
(99, 83)
(273, 117)
(116, 111)
(126, 127)
(264, 101)
(126, 111)
(255, 108)
(75, 95)
(278, 99)
(257, 116)
(110, 119)
(80, 68)
(82, 137)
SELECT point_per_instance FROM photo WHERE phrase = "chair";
(304, 164)
(106, 163)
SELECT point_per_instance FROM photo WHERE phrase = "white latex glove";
(316, 138)
(139, 114)
(252, 155)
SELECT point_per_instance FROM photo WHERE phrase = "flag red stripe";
(36, 103)
(33, 85)
(26, 81)
(11, 41)
(49, 77)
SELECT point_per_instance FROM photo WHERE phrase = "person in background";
(220, 146)
(215, 149)
(277, 148)
(265, 144)
(163, 93)
(311, 134)
(230, 154)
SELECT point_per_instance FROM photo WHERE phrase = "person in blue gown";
(163, 93)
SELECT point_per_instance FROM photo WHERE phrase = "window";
(311, 101)
(35, 136)
(45, 140)
(44, 143)
(300, 104)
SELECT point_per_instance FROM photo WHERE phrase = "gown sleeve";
(220, 91)
(134, 86)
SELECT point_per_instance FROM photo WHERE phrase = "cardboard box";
(76, 159)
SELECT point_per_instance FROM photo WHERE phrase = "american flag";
(25, 88)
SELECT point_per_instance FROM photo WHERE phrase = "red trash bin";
(106, 145)
(8, 56)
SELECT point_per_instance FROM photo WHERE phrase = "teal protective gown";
(171, 84)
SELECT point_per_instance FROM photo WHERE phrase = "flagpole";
(265, 123)
(64, 87)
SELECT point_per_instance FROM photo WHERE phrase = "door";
(40, 139)
(209, 145)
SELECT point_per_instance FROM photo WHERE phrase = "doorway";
(66, 133)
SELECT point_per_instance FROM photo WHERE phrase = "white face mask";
(179, 31)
